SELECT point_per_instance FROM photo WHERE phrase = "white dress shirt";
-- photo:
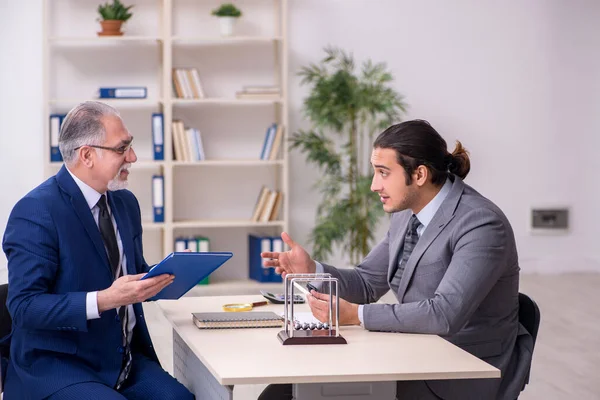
(424, 216)
(91, 299)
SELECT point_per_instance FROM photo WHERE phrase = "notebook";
(245, 319)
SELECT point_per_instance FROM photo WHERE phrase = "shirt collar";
(90, 194)
(428, 212)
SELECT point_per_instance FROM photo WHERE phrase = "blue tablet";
(188, 268)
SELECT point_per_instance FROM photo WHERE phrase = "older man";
(74, 249)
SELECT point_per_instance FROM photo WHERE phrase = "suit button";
(121, 349)
(117, 318)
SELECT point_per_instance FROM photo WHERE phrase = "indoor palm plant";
(112, 17)
(346, 109)
(228, 14)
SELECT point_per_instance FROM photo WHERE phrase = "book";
(263, 195)
(276, 143)
(261, 89)
(257, 96)
(244, 319)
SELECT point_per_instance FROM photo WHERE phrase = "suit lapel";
(439, 222)
(118, 209)
(68, 185)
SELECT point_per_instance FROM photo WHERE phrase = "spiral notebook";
(245, 319)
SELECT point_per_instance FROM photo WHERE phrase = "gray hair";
(83, 126)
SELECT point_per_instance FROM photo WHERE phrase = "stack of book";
(272, 142)
(267, 205)
(196, 244)
(187, 143)
(259, 93)
(186, 83)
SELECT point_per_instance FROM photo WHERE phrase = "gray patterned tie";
(410, 241)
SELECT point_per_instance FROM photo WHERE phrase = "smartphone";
(278, 298)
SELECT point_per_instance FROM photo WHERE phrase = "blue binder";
(158, 198)
(256, 245)
(123, 92)
(188, 268)
(158, 135)
(56, 121)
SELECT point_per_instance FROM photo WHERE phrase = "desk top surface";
(256, 356)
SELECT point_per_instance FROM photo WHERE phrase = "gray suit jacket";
(461, 282)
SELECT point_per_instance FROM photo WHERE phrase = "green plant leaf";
(351, 106)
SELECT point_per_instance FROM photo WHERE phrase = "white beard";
(117, 183)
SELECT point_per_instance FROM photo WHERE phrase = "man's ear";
(86, 156)
(422, 175)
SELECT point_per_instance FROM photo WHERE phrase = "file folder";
(158, 198)
(188, 268)
(158, 134)
(55, 124)
(124, 92)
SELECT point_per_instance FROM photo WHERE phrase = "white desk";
(210, 361)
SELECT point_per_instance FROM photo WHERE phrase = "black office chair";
(5, 330)
(529, 317)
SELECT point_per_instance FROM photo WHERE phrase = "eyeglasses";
(119, 150)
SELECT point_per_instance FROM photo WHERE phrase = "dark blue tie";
(410, 241)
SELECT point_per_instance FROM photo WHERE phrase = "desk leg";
(340, 391)
(190, 371)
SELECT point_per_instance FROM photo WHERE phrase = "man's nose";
(131, 156)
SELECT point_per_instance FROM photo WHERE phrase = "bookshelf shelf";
(94, 40)
(211, 41)
(225, 223)
(140, 164)
(149, 225)
(175, 35)
(228, 163)
(225, 101)
(147, 164)
(113, 102)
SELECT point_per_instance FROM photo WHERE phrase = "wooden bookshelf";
(163, 35)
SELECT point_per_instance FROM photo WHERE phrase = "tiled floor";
(567, 354)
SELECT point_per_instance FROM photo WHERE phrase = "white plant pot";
(227, 24)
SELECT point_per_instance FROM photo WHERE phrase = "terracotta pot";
(111, 27)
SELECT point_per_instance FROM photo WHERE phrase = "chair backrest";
(529, 315)
(5, 330)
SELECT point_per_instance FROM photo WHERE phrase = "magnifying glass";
(236, 307)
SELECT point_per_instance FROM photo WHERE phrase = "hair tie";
(449, 160)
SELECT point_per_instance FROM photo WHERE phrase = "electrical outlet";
(550, 219)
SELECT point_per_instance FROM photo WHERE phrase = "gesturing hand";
(294, 261)
(319, 305)
(130, 289)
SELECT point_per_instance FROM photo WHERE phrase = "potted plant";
(112, 17)
(228, 14)
(345, 109)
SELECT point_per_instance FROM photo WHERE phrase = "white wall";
(517, 83)
(21, 107)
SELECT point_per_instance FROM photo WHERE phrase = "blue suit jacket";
(55, 256)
